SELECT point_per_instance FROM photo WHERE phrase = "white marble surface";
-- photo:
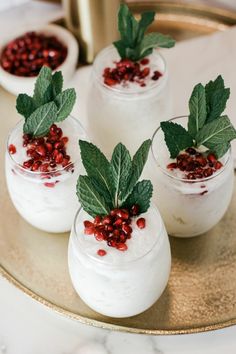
(27, 327)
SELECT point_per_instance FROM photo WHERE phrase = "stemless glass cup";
(129, 115)
(118, 285)
(47, 200)
(189, 207)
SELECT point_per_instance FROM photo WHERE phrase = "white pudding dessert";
(127, 111)
(116, 283)
(45, 197)
(191, 203)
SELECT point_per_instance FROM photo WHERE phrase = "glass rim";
(101, 261)
(38, 173)
(181, 179)
(128, 93)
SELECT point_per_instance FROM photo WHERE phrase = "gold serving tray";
(201, 293)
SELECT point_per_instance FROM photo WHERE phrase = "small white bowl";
(20, 84)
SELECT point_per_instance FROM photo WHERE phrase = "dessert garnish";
(112, 194)
(208, 135)
(133, 47)
(43, 140)
(25, 55)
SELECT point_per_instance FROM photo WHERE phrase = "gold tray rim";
(201, 12)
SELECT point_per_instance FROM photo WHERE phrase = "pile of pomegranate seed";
(128, 71)
(114, 228)
(25, 55)
(46, 153)
(196, 165)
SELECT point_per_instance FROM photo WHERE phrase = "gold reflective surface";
(201, 294)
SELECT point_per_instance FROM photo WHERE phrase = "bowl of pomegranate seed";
(22, 57)
(192, 169)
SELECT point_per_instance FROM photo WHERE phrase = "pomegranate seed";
(122, 247)
(202, 161)
(59, 157)
(88, 224)
(97, 220)
(41, 150)
(59, 132)
(212, 158)
(110, 82)
(65, 140)
(208, 172)
(218, 165)
(44, 167)
(65, 162)
(135, 209)
(107, 220)
(12, 149)
(172, 165)
(36, 165)
(118, 222)
(191, 151)
(99, 235)
(49, 184)
(28, 164)
(144, 61)
(53, 129)
(156, 75)
(111, 243)
(141, 223)
(123, 214)
(126, 228)
(58, 145)
(101, 252)
(109, 228)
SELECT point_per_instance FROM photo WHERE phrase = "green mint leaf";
(57, 83)
(140, 195)
(121, 48)
(220, 150)
(138, 163)
(176, 138)
(197, 108)
(155, 40)
(216, 97)
(121, 168)
(65, 102)
(98, 167)
(218, 131)
(134, 44)
(146, 20)
(25, 105)
(39, 122)
(43, 87)
(91, 201)
(124, 24)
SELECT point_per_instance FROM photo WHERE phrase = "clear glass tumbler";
(47, 200)
(189, 207)
(120, 284)
(125, 114)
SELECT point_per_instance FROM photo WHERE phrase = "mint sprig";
(48, 105)
(113, 184)
(133, 43)
(206, 126)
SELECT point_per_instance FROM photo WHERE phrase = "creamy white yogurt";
(127, 113)
(48, 207)
(189, 208)
(120, 284)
